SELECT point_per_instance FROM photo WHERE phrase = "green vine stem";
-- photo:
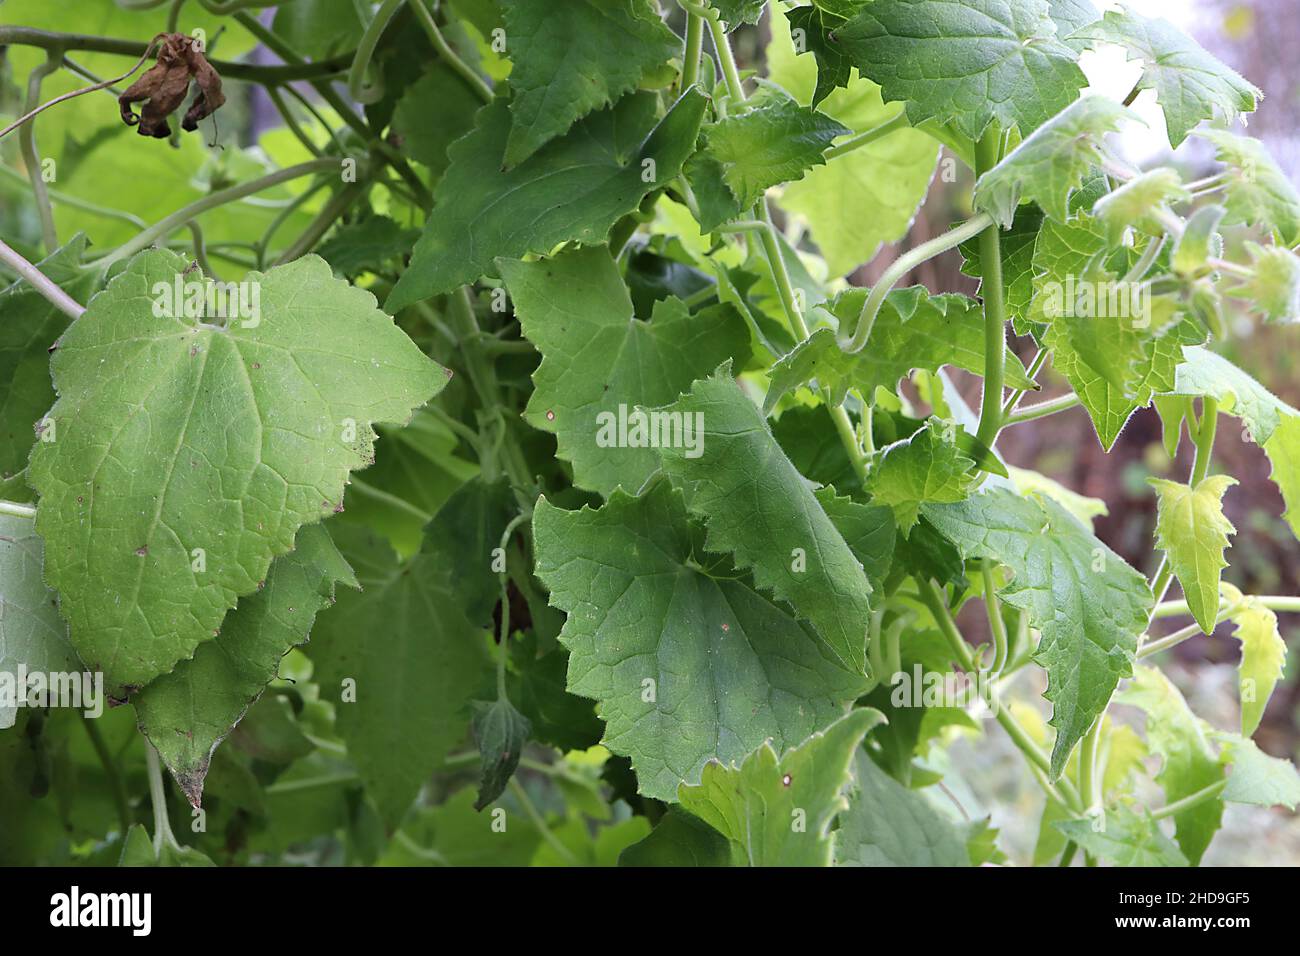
(1204, 795)
(987, 153)
(905, 264)
(176, 220)
(357, 88)
(162, 828)
(503, 645)
(1051, 406)
(40, 282)
(463, 69)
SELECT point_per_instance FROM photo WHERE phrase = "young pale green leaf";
(1133, 203)
(1089, 605)
(401, 690)
(1263, 655)
(1269, 421)
(771, 144)
(887, 177)
(187, 713)
(685, 667)
(1190, 763)
(945, 58)
(1051, 162)
(757, 507)
(1258, 191)
(1258, 778)
(679, 839)
(32, 635)
(1190, 84)
(913, 330)
(777, 810)
(29, 325)
(1127, 839)
(574, 57)
(500, 732)
(1200, 240)
(573, 189)
(886, 824)
(599, 362)
(1192, 530)
(1273, 289)
(927, 466)
(188, 454)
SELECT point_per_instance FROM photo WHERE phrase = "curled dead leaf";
(163, 88)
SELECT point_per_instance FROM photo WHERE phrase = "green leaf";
(1263, 655)
(686, 667)
(679, 839)
(813, 26)
(29, 325)
(1190, 84)
(400, 690)
(1190, 763)
(317, 28)
(137, 850)
(1258, 192)
(1084, 508)
(433, 112)
(573, 189)
(927, 466)
(769, 145)
(888, 178)
(777, 811)
(187, 713)
(1192, 530)
(32, 635)
(886, 824)
(1134, 202)
(758, 508)
(1273, 289)
(1258, 778)
(913, 330)
(1088, 604)
(1051, 162)
(868, 530)
(1200, 240)
(559, 718)
(736, 12)
(366, 245)
(599, 362)
(500, 732)
(463, 537)
(1271, 422)
(574, 57)
(1127, 840)
(148, 478)
(967, 63)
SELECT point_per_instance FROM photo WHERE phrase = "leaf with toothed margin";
(1257, 778)
(500, 732)
(573, 189)
(758, 508)
(1129, 839)
(913, 330)
(753, 804)
(1193, 531)
(1273, 288)
(966, 62)
(187, 713)
(687, 663)
(1263, 654)
(925, 466)
(188, 455)
(1086, 601)
(1256, 190)
(1051, 162)
(573, 57)
(1191, 85)
(1269, 421)
(599, 361)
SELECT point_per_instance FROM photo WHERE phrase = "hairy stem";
(462, 69)
(987, 152)
(39, 281)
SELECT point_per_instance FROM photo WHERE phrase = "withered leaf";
(163, 88)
